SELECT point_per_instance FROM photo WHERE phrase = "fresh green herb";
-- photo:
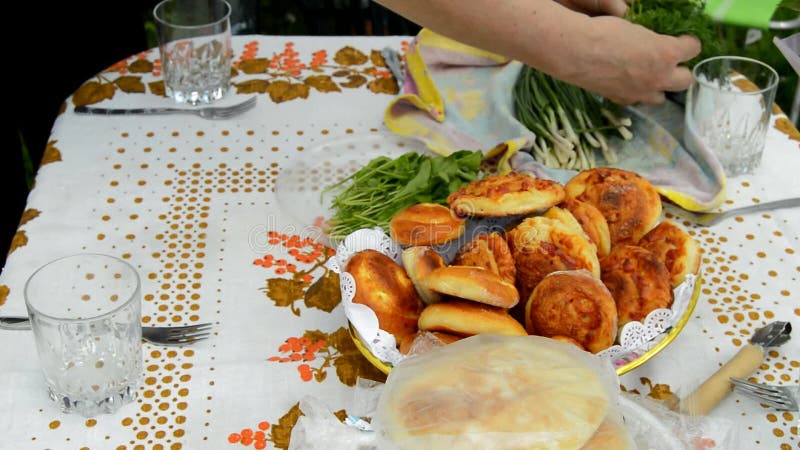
(677, 17)
(385, 186)
(570, 123)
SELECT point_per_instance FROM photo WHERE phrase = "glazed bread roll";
(679, 252)
(505, 195)
(384, 286)
(473, 283)
(592, 222)
(494, 392)
(419, 262)
(541, 245)
(637, 280)
(576, 305)
(425, 224)
(630, 204)
(489, 251)
(465, 318)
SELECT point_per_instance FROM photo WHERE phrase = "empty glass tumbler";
(194, 38)
(85, 311)
(728, 111)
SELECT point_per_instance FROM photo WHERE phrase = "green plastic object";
(747, 13)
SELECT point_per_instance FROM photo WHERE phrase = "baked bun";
(629, 203)
(675, 248)
(419, 262)
(541, 245)
(489, 251)
(493, 392)
(505, 195)
(576, 305)
(592, 222)
(465, 318)
(610, 435)
(473, 283)
(637, 280)
(425, 224)
(384, 286)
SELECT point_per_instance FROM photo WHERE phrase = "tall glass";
(194, 38)
(728, 110)
(85, 312)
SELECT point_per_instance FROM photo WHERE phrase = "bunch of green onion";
(570, 123)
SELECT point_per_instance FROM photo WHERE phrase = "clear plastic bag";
(501, 392)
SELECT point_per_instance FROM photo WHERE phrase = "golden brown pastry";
(592, 222)
(465, 318)
(489, 251)
(493, 392)
(576, 305)
(384, 286)
(426, 224)
(637, 280)
(541, 245)
(419, 262)
(675, 248)
(505, 195)
(473, 283)
(629, 203)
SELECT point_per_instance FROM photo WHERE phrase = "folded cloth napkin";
(460, 97)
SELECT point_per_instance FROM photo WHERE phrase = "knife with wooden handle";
(718, 386)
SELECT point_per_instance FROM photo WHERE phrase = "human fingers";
(613, 7)
(688, 47)
(679, 79)
(653, 98)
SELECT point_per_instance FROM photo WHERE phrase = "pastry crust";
(630, 204)
(505, 195)
(465, 318)
(385, 287)
(426, 224)
(592, 222)
(679, 252)
(489, 251)
(419, 262)
(637, 280)
(541, 245)
(473, 283)
(576, 305)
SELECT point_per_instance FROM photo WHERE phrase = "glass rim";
(769, 87)
(224, 17)
(115, 310)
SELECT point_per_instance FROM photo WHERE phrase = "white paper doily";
(635, 338)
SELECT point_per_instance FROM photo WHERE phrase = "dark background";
(57, 45)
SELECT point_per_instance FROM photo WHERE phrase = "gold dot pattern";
(176, 249)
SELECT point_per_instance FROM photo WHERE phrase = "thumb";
(613, 7)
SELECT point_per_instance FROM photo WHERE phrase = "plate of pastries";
(518, 255)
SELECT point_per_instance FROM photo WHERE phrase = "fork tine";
(180, 340)
(189, 328)
(779, 397)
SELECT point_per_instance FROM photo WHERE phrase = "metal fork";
(206, 112)
(184, 335)
(783, 398)
(711, 218)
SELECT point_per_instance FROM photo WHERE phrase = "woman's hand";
(597, 7)
(628, 63)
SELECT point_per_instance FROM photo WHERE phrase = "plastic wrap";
(500, 392)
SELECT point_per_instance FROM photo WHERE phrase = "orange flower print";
(247, 436)
(319, 58)
(304, 350)
(250, 51)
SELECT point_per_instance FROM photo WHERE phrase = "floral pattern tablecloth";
(191, 204)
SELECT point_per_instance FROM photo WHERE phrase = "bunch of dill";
(677, 17)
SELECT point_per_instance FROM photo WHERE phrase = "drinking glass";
(85, 311)
(728, 110)
(194, 38)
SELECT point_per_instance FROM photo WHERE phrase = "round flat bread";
(467, 318)
(494, 392)
(505, 195)
(473, 283)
